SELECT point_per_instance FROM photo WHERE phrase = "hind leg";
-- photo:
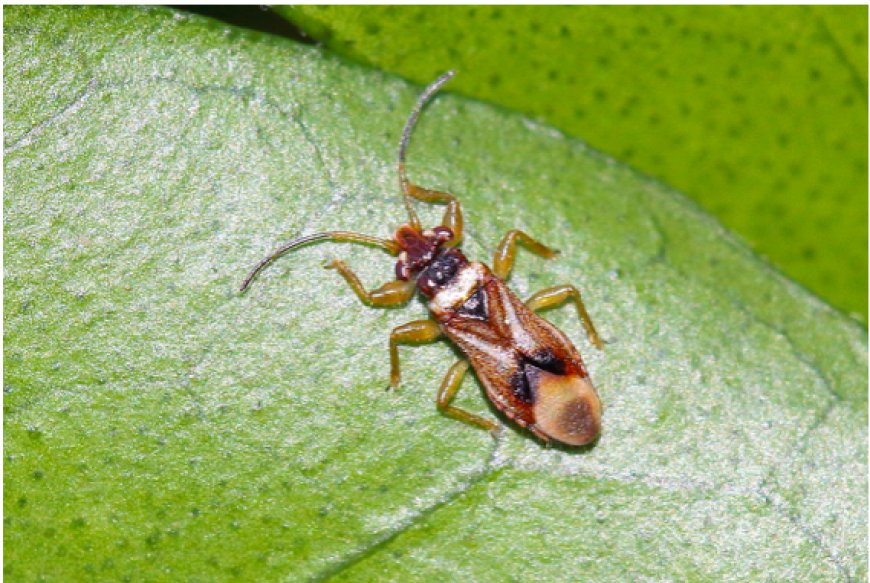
(449, 387)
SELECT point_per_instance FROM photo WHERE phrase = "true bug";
(530, 370)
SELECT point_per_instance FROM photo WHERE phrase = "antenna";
(339, 236)
(406, 137)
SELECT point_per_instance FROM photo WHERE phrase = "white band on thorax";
(460, 289)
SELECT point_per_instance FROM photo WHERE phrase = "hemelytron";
(529, 369)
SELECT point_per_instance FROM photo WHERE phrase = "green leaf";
(759, 113)
(160, 426)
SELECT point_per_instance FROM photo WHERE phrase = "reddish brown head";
(418, 248)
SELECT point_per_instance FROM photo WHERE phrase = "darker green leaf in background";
(159, 426)
(757, 112)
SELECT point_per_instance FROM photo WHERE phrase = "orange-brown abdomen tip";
(567, 408)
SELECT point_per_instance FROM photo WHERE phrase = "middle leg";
(416, 332)
(557, 295)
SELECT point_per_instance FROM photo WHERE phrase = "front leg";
(506, 252)
(393, 293)
(452, 216)
(554, 296)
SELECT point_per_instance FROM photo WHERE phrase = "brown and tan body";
(530, 370)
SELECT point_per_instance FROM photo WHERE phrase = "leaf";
(759, 113)
(158, 425)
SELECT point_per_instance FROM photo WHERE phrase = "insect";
(529, 369)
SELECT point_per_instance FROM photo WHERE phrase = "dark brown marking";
(521, 385)
(474, 306)
(524, 381)
(546, 360)
(443, 269)
(440, 271)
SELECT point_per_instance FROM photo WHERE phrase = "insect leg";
(452, 216)
(392, 293)
(554, 296)
(449, 387)
(507, 250)
(416, 332)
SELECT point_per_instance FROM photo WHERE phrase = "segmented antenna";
(406, 137)
(339, 236)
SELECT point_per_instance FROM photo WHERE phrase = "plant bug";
(530, 370)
